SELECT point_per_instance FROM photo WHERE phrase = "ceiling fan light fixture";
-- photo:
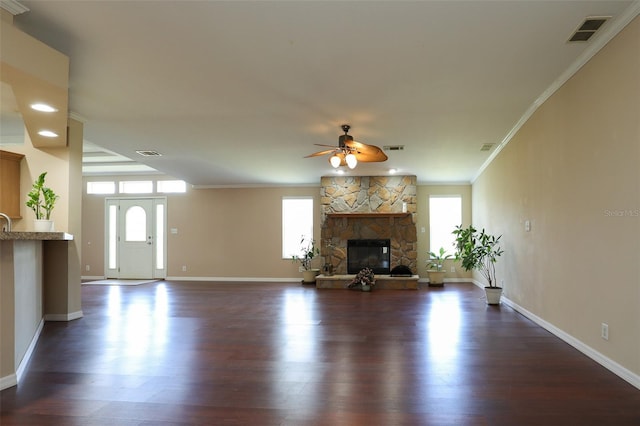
(351, 160)
(335, 161)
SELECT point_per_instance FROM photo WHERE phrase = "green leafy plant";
(41, 199)
(478, 250)
(436, 260)
(308, 251)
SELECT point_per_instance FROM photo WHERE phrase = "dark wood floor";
(171, 353)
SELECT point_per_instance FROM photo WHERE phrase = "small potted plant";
(435, 265)
(480, 251)
(364, 280)
(308, 251)
(42, 200)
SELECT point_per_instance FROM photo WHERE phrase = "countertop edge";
(35, 236)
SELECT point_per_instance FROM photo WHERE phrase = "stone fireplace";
(368, 207)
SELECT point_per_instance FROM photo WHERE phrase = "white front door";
(135, 247)
(135, 238)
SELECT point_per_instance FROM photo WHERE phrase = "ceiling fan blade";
(317, 154)
(367, 153)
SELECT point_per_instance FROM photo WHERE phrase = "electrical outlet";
(184, 268)
(605, 331)
(87, 267)
(453, 269)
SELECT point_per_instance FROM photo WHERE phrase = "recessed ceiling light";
(43, 107)
(48, 134)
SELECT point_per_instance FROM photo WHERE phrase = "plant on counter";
(41, 199)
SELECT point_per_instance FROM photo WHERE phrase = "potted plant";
(480, 251)
(435, 265)
(308, 251)
(42, 200)
(364, 280)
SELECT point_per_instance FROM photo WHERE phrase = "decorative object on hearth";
(349, 152)
(364, 280)
(479, 250)
(42, 200)
(401, 271)
(435, 264)
(327, 269)
(308, 251)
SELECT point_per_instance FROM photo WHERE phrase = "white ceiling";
(236, 93)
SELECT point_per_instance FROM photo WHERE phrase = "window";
(297, 221)
(113, 235)
(159, 236)
(445, 213)
(136, 187)
(171, 186)
(101, 187)
(135, 225)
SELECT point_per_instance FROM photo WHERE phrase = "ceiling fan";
(350, 152)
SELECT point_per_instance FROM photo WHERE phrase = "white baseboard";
(8, 381)
(606, 362)
(29, 352)
(235, 279)
(64, 317)
(92, 277)
(281, 280)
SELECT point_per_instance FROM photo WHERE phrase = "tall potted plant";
(480, 251)
(42, 200)
(308, 251)
(435, 263)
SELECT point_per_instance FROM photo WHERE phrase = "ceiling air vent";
(588, 28)
(149, 153)
(486, 147)
(393, 147)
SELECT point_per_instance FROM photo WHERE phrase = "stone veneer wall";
(368, 194)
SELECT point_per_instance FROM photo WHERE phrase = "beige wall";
(235, 233)
(573, 170)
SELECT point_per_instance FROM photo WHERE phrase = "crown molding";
(618, 24)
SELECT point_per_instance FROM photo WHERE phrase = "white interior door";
(135, 247)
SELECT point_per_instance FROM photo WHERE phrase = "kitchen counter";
(37, 236)
(38, 283)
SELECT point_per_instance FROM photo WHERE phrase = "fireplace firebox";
(374, 254)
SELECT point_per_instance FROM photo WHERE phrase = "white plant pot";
(309, 276)
(43, 225)
(493, 295)
(436, 278)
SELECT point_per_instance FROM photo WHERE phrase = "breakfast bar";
(34, 287)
